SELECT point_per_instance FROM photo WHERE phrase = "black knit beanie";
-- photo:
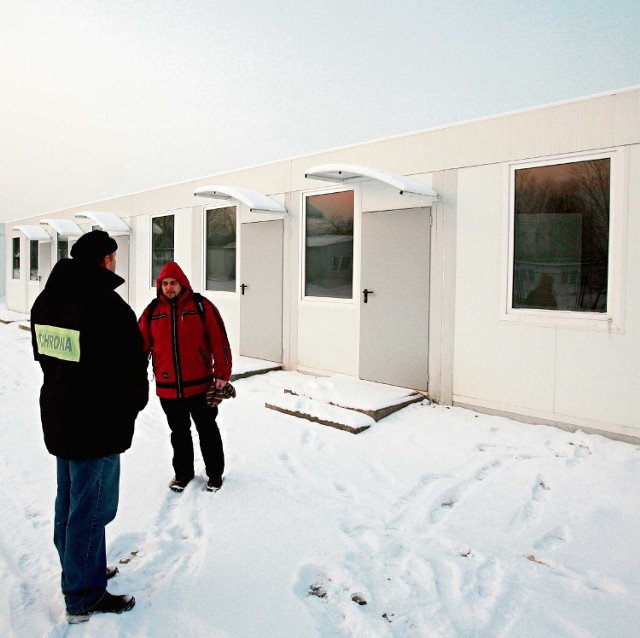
(92, 247)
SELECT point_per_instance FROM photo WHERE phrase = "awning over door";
(33, 232)
(346, 173)
(109, 222)
(64, 227)
(253, 199)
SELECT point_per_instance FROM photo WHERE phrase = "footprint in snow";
(580, 452)
(553, 539)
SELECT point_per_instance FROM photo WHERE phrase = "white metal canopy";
(347, 173)
(64, 227)
(253, 199)
(109, 222)
(33, 232)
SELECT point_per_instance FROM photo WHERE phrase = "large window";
(329, 245)
(63, 247)
(15, 258)
(561, 226)
(33, 259)
(220, 257)
(162, 243)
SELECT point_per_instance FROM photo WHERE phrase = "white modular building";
(488, 264)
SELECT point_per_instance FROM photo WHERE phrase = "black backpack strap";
(197, 298)
(151, 307)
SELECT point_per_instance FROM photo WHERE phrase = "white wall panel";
(328, 337)
(493, 361)
(597, 376)
(229, 308)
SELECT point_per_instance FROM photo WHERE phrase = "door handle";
(242, 287)
(366, 294)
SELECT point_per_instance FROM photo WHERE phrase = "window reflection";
(33, 259)
(62, 247)
(221, 249)
(15, 258)
(329, 245)
(561, 241)
(162, 242)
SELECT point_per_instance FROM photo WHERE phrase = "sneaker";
(111, 572)
(213, 485)
(178, 485)
(108, 604)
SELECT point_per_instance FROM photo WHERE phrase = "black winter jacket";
(86, 339)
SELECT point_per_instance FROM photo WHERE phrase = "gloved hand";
(215, 395)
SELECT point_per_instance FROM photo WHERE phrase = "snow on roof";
(327, 240)
(253, 199)
(64, 227)
(109, 222)
(350, 172)
(33, 232)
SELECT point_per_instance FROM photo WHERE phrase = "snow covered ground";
(435, 522)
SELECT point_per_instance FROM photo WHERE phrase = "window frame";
(152, 218)
(355, 296)
(613, 317)
(205, 210)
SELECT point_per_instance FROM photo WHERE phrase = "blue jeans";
(87, 499)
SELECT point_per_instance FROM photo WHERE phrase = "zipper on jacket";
(176, 354)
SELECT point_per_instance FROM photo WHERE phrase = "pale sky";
(107, 97)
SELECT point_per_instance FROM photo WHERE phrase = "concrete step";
(377, 400)
(320, 412)
(343, 402)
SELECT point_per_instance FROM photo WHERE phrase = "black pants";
(179, 414)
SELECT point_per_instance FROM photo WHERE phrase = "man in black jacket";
(87, 342)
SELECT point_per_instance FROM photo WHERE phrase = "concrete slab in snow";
(376, 400)
(320, 412)
(247, 367)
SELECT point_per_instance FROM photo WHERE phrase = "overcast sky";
(106, 97)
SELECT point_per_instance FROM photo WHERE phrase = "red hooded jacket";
(188, 351)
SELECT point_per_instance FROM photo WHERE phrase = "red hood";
(174, 271)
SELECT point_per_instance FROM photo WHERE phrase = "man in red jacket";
(186, 337)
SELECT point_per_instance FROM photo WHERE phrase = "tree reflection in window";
(221, 249)
(329, 245)
(561, 236)
(162, 244)
(15, 258)
(33, 259)
(62, 248)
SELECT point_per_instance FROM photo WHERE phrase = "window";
(329, 245)
(561, 223)
(33, 259)
(162, 242)
(220, 257)
(63, 248)
(16, 257)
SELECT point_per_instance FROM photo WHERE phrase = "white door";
(261, 290)
(394, 310)
(44, 263)
(122, 265)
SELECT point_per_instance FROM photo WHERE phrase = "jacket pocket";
(207, 362)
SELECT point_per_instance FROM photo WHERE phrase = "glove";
(215, 395)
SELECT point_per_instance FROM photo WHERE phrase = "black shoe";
(214, 484)
(178, 485)
(108, 604)
(111, 572)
